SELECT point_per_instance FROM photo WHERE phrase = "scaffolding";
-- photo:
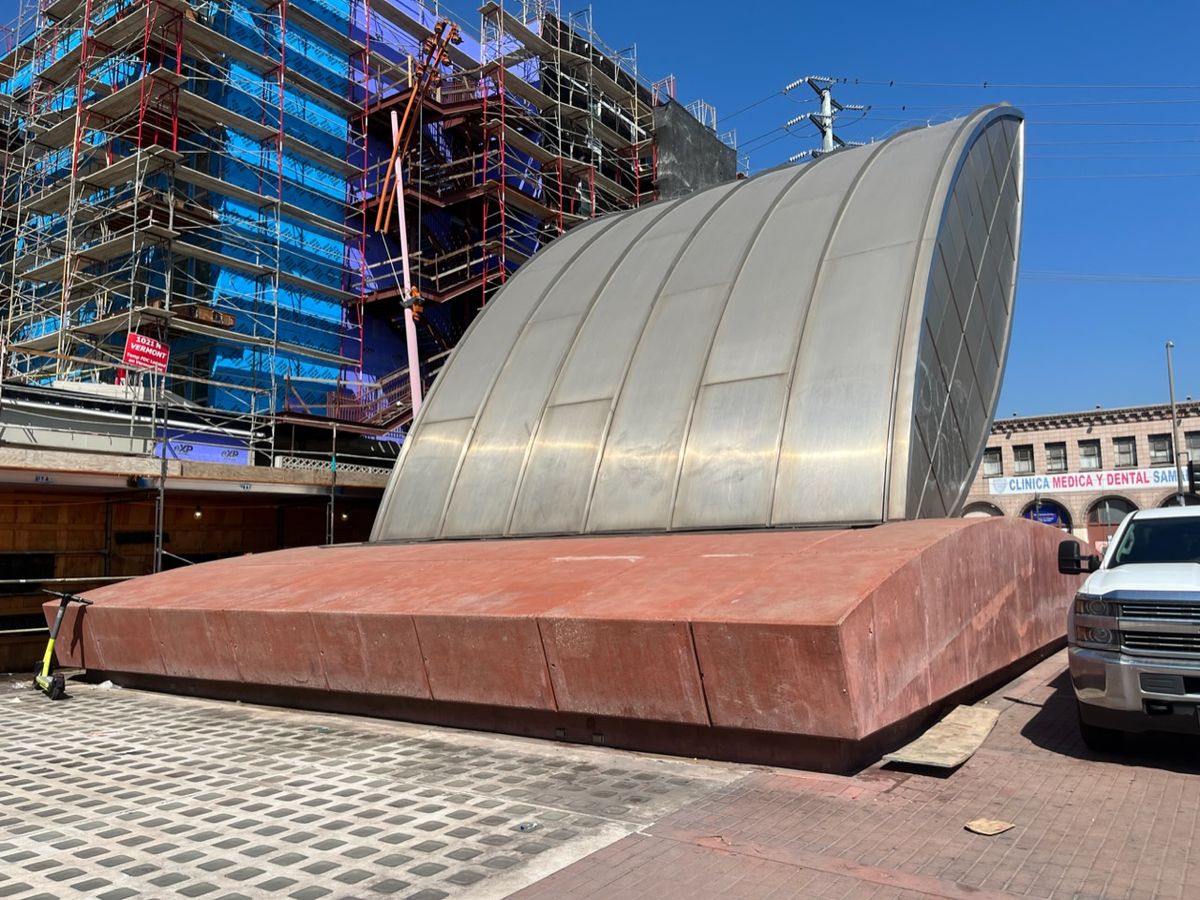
(209, 173)
(546, 129)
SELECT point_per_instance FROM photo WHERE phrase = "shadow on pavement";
(1053, 727)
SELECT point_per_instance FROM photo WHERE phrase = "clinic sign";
(1115, 480)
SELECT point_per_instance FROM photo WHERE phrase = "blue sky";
(1110, 267)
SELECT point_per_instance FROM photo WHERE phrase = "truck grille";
(1180, 612)
(1168, 644)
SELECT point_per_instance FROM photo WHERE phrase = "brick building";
(1083, 471)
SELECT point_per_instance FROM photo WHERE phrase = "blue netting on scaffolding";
(253, 234)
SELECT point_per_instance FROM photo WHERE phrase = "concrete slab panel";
(635, 670)
(737, 639)
(275, 647)
(494, 660)
(371, 653)
(197, 641)
(770, 677)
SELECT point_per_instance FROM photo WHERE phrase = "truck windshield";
(1159, 541)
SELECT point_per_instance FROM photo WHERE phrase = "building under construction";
(306, 201)
(292, 209)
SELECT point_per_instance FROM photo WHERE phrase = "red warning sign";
(146, 353)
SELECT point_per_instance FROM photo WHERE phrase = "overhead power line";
(1104, 176)
(1010, 85)
(910, 107)
(1109, 141)
(1112, 156)
(1109, 277)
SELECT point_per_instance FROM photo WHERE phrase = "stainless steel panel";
(636, 480)
(738, 357)
(890, 201)
(728, 465)
(835, 437)
(680, 333)
(464, 383)
(418, 489)
(575, 293)
(766, 311)
(500, 443)
(606, 342)
(483, 492)
(557, 481)
(635, 483)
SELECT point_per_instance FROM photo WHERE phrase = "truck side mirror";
(1071, 563)
(1068, 558)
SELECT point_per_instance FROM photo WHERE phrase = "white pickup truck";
(1133, 632)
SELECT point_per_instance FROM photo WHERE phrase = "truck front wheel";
(1097, 739)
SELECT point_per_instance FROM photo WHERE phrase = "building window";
(1056, 457)
(1192, 442)
(1160, 450)
(1089, 455)
(1023, 459)
(1048, 512)
(1105, 517)
(993, 466)
(1126, 450)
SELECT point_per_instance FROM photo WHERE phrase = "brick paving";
(114, 794)
(1087, 826)
(118, 794)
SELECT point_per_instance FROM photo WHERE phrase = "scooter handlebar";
(67, 597)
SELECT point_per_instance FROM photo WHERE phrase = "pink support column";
(410, 325)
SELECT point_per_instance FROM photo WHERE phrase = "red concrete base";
(827, 636)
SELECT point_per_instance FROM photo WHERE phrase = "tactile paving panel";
(113, 794)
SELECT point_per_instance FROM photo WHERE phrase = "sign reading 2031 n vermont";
(1115, 479)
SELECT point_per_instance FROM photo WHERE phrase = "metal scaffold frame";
(217, 176)
(547, 129)
(134, 187)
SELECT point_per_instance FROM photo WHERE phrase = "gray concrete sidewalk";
(118, 794)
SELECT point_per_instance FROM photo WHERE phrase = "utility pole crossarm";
(822, 86)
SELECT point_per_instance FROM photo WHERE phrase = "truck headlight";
(1096, 637)
(1095, 623)
(1094, 606)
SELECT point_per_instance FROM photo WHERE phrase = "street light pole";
(1174, 427)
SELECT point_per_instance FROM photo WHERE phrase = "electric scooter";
(54, 686)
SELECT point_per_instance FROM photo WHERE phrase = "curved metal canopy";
(817, 345)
